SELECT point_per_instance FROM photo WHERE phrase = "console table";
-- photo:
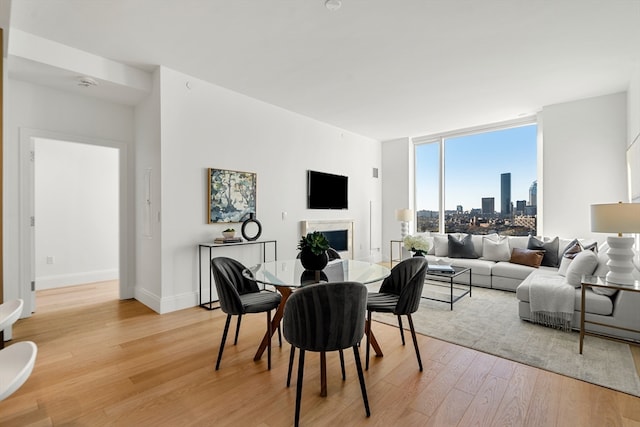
(600, 282)
(216, 246)
(399, 244)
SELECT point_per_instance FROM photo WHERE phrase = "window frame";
(439, 138)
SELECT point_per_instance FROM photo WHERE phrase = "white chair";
(10, 311)
(16, 364)
(16, 360)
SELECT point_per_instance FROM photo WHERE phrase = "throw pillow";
(496, 251)
(585, 262)
(441, 245)
(532, 258)
(551, 250)
(572, 249)
(565, 262)
(462, 248)
(602, 269)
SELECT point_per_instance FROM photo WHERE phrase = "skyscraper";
(533, 194)
(505, 194)
(488, 205)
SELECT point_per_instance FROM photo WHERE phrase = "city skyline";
(474, 165)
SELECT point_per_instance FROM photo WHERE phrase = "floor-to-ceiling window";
(478, 182)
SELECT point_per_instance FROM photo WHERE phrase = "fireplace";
(338, 232)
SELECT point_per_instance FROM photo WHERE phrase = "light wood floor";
(107, 362)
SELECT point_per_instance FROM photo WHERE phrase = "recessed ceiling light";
(333, 4)
(85, 81)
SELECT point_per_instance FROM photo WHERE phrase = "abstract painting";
(232, 195)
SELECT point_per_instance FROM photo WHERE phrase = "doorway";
(70, 251)
(76, 208)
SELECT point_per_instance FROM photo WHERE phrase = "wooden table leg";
(275, 321)
(374, 342)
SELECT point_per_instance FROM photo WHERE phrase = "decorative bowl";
(229, 234)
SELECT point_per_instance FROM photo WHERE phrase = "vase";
(311, 261)
(418, 253)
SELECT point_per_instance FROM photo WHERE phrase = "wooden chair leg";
(235, 341)
(415, 341)
(401, 328)
(344, 375)
(291, 356)
(299, 387)
(363, 387)
(224, 338)
(368, 339)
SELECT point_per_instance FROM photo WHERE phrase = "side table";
(600, 282)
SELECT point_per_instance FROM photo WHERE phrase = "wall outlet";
(50, 260)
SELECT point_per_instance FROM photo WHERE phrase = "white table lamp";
(618, 218)
(404, 216)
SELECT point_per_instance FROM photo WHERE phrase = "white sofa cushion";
(585, 262)
(440, 245)
(493, 250)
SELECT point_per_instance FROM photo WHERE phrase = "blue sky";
(473, 165)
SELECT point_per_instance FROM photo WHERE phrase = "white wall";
(584, 162)
(205, 126)
(397, 188)
(76, 210)
(28, 107)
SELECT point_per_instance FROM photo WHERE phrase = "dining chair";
(326, 317)
(16, 360)
(399, 294)
(239, 296)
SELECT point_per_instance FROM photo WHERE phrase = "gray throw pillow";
(462, 248)
(551, 250)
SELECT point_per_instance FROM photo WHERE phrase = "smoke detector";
(85, 81)
(333, 4)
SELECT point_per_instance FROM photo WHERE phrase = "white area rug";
(489, 322)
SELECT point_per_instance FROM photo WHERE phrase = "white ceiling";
(380, 68)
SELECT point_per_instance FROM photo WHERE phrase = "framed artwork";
(231, 194)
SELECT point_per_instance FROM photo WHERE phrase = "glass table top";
(291, 273)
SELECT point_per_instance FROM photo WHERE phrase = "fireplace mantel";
(310, 226)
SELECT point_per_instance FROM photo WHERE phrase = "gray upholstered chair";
(326, 317)
(399, 294)
(238, 296)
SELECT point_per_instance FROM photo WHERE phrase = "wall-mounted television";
(327, 191)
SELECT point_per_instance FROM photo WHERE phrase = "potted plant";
(313, 251)
(229, 233)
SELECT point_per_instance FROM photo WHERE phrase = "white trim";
(27, 191)
(331, 225)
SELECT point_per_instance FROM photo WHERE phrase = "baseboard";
(58, 281)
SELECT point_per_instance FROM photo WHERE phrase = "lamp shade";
(615, 218)
(404, 215)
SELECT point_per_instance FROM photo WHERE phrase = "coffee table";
(447, 278)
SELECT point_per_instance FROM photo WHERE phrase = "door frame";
(27, 204)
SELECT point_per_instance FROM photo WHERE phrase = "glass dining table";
(288, 275)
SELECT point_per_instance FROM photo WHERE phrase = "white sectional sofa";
(490, 259)
(491, 267)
